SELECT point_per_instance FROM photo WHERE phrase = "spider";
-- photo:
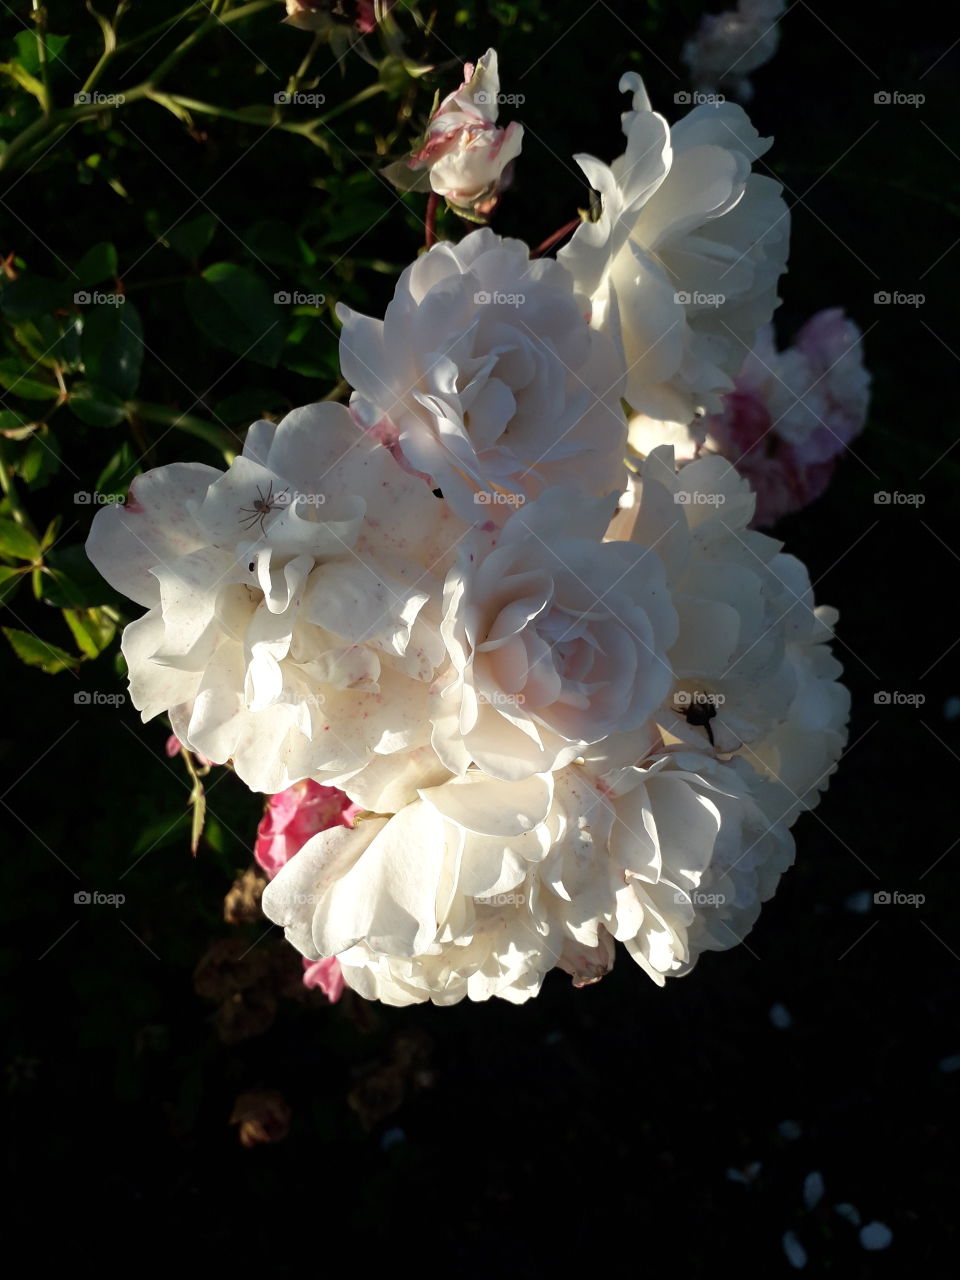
(261, 508)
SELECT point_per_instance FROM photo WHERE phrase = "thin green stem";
(40, 18)
(219, 437)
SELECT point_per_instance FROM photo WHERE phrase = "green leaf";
(14, 425)
(15, 376)
(235, 309)
(10, 580)
(32, 295)
(18, 542)
(38, 653)
(189, 239)
(311, 348)
(162, 833)
(40, 459)
(116, 475)
(92, 629)
(277, 243)
(96, 406)
(112, 348)
(97, 264)
(71, 582)
(28, 51)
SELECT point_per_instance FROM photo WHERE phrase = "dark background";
(588, 1125)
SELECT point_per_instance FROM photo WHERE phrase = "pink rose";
(293, 816)
(793, 413)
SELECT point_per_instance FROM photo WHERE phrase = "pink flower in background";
(293, 816)
(794, 413)
(325, 974)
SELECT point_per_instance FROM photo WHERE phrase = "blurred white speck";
(848, 1211)
(789, 1129)
(744, 1176)
(392, 1138)
(796, 1253)
(875, 1235)
(860, 902)
(951, 708)
(812, 1189)
(780, 1016)
(950, 1064)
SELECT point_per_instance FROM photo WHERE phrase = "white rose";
(685, 257)
(556, 640)
(485, 378)
(290, 626)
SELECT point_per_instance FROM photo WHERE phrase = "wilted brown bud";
(263, 1116)
(242, 903)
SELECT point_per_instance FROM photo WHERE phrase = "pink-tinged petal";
(153, 528)
(325, 974)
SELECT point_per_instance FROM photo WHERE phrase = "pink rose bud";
(322, 15)
(464, 155)
(293, 816)
(325, 974)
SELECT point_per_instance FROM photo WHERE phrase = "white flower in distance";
(289, 624)
(686, 254)
(556, 640)
(464, 156)
(728, 46)
(485, 378)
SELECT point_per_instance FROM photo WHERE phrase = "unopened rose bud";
(465, 156)
(587, 965)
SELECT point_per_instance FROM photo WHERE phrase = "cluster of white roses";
(576, 704)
